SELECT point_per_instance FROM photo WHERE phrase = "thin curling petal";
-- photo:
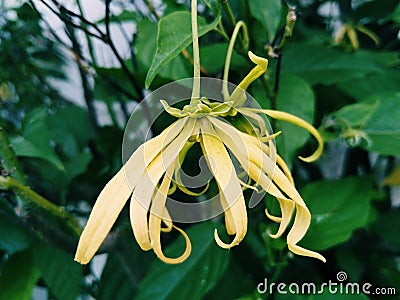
(117, 191)
(222, 168)
(157, 209)
(142, 194)
(283, 116)
(305, 252)
(103, 216)
(229, 221)
(238, 95)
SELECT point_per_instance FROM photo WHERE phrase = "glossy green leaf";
(116, 282)
(376, 83)
(60, 272)
(268, 13)
(13, 237)
(375, 123)
(18, 277)
(70, 129)
(174, 35)
(296, 97)
(195, 276)
(383, 127)
(336, 215)
(387, 227)
(146, 44)
(322, 64)
(210, 57)
(35, 139)
(214, 6)
(395, 16)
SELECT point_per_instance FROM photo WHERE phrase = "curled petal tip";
(304, 252)
(258, 60)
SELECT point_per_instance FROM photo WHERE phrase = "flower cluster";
(152, 170)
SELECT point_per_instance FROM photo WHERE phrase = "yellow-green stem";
(32, 198)
(235, 33)
(196, 56)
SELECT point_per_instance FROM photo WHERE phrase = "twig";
(32, 198)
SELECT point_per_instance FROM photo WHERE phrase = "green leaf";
(60, 272)
(268, 13)
(318, 63)
(375, 122)
(212, 58)
(383, 126)
(395, 16)
(296, 97)
(377, 83)
(336, 215)
(18, 277)
(354, 115)
(174, 35)
(214, 6)
(388, 227)
(146, 45)
(13, 237)
(116, 280)
(194, 277)
(71, 120)
(35, 139)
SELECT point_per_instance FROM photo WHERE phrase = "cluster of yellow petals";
(151, 172)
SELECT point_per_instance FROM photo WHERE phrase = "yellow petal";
(137, 163)
(115, 194)
(103, 216)
(222, 168)
(283, 116)
(304, 252)
(229, 221)
(157, 209)
(141, 196)
(238, 95)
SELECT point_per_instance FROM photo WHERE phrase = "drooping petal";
(103, 216)
(157, 210)
(144, 155)
(141, 196)
(222, 168)
(283, 116)
(305, 252)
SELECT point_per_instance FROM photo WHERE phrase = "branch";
(30, 198)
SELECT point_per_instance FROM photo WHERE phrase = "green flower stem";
(244, 41)
(228, 11)
(8, 159)
(196, 56)
(235, 33)
(30, 198)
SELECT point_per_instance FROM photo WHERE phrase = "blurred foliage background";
(339, 71)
